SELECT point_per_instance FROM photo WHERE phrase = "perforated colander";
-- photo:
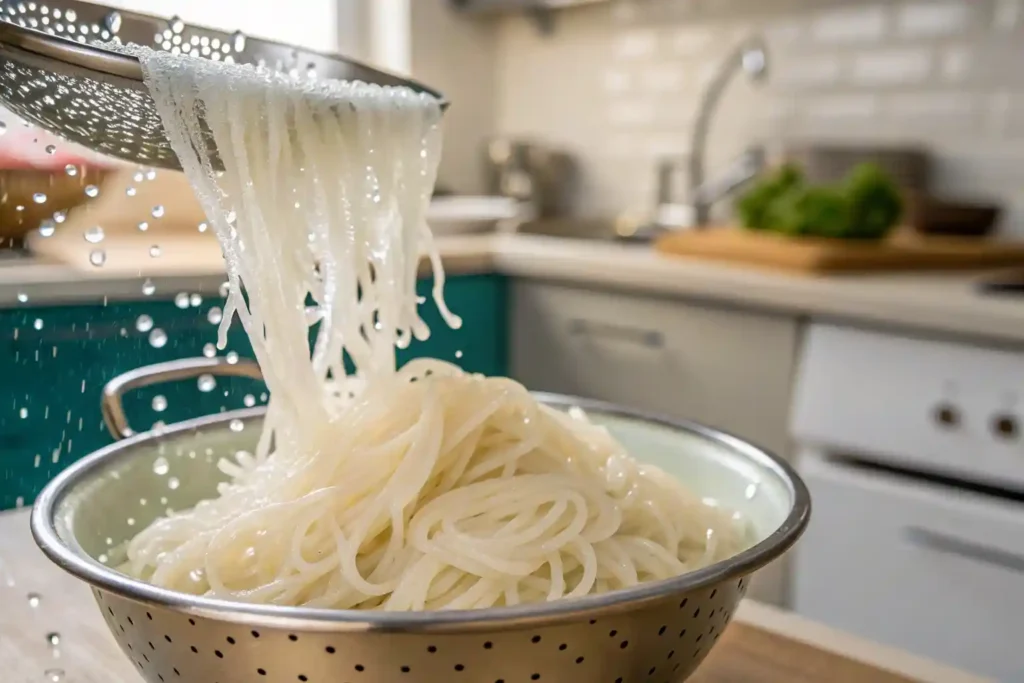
(658, 632)
(54, 73)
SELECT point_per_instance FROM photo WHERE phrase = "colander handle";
(112, 405)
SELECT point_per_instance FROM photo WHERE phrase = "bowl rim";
(323, 619)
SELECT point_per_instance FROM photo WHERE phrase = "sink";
(600, 229)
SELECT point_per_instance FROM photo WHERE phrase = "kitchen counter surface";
(762, 645)
(937, 303)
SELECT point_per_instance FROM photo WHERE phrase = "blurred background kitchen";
(801, 221)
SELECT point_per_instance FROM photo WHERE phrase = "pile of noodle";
(417, 488)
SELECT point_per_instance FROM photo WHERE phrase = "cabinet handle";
(951, 545)
(112, 406)
(652, 339)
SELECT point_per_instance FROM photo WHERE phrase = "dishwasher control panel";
(936, 406)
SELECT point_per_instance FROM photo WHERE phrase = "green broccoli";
(875, 202)
(811, 212)
(754, 206)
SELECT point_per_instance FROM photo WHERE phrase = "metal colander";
(655, 632)
(54, 74)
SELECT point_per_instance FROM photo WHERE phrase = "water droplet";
(209, 350)
(203, 227)
(249, 400)
(54, 675)
(143, 323)
(173, 483)
(181, 299)
(3, 127)
(38, 323)
(158, 211)
(157, 338)
(23, 413)
(97, 257)
(143, 226)
(215, 315)
(51, 149)
(47, 228)
(131, 520)
(150, 174)
(34, 599)
(22, 297)
(60, 216)
(238, 41)
(112, 21)
(177, 25)
(161, 466)
(232, 358)
(264, 397)
(139, 176)
(195, 300)
(224, 289)
(71, 170)
(159, 403)
(155, 251)
(236, 425)
(458, 354)
(130, 191)
(53, 638)
(92, 191)
(39, 198)
(206, 383)
(148, 288)
(94, 235)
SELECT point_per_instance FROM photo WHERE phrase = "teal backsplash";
(51, 377)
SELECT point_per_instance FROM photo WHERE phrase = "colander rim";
(321, 619)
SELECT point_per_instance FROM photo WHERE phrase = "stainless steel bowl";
(659, 631)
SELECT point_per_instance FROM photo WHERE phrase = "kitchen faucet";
(751, 57)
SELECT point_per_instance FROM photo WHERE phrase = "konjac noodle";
(424, 487)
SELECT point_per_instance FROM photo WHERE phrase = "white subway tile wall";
(618, 85)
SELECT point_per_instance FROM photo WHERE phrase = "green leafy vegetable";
(811, 211)
(754, 206)
(867, 205)
(875, 202)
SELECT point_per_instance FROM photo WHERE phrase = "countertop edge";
(933, 303)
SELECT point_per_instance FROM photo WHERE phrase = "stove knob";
(1006, 427)
(947, 415)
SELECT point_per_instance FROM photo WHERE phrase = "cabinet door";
(726, 368)
(927, 568)
(55, 360)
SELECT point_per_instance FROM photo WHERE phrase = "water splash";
(157, 338)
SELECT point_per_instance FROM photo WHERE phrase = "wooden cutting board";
(762, 645)
(819, 256)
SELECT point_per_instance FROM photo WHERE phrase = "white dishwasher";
(913, 453)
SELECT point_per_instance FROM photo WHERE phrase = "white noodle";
(419, 488)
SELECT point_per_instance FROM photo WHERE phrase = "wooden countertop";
(763, 645)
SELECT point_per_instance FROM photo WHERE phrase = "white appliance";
(914, 455)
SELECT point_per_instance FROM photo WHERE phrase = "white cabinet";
(726, 368)
(935, 570)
